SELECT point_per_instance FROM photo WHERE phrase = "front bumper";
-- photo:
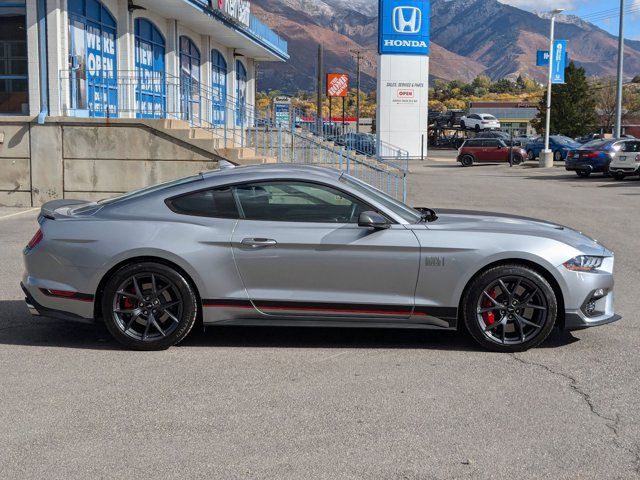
(578, 321)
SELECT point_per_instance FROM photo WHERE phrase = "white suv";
(626, 161)
(479, 121)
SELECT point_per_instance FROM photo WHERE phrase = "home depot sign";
(337, 84)
(238, 10)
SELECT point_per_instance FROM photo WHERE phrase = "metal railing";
(234, 124)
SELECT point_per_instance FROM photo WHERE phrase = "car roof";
(273, 169)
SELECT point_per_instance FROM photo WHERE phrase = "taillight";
(590, 155)
(37, 238)
(637, 158)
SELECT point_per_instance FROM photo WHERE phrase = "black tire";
(463, 126)
(530, 155)
(477, 127)
(517, 159)
(509, 333)
(557, 156)
(149, 306)
(582, 173)
(467, 160)
(450, 124)
(617, 175)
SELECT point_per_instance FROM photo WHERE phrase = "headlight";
(584, 263)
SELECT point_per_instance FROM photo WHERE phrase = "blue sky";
(584, 8)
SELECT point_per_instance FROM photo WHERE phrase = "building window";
(151, 90)
(219, 86)
(14, 79)
(190, 80)
(92, 72)
(241, 94)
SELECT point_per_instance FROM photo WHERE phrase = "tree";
(573, 105)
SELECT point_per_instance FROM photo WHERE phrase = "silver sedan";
(308, 246)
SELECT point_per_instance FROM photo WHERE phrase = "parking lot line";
(18, 213)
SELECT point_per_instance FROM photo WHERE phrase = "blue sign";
(282, 114)
(542, 59)
(102, 95)
(558, 61)
(403, 27)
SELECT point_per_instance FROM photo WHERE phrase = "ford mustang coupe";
(297, 245)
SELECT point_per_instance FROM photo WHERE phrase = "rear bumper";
(586, 167)
(38, 310)
(627, 169)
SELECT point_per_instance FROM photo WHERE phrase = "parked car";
(306, 245)
(432, 116)
(558, 144)
(363, 143)
(450, 118)
(626, 161)
(504, 136)
(595, 156)
(589, 138)
(479, 121)
(477, 150)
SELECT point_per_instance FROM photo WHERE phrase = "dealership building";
(131, 58)
(514, 117)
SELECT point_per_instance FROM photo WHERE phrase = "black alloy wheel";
(149, 306)
(510, 308)
(466, 160)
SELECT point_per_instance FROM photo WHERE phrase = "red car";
(478, 150)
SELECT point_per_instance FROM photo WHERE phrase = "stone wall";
(90, 158)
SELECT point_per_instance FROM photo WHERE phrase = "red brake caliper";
(127, 303)
(489, 317)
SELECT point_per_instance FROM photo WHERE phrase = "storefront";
(514, 117)
(185, 59)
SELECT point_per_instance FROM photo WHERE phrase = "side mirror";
(373, 220)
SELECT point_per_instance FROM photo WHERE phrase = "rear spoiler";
(48, 209)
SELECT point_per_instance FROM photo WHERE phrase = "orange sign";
(337, 84)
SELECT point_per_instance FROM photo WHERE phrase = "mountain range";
(468, 38)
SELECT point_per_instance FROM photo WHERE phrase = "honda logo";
(407, 19)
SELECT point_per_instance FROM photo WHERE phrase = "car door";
(489, 149)
(300, 252)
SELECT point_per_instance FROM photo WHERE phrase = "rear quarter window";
(218, 203)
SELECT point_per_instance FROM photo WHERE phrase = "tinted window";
(596, 145)
(488, 117)
(631, 147)
(217, 203)
(291, 201)
(491, 143)
(473, 143)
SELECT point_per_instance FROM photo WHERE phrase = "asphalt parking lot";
(328, 403)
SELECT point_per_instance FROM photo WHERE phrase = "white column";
(403, 103)
(58, 54)
(33, 58)
(126, 61)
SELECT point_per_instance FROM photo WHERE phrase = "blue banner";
(403, 27)
(558, 61)
(542, 59)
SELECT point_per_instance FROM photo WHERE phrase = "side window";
(491, 143)
(632, 147)
(218, 202)
(292, 201)
(473, 143)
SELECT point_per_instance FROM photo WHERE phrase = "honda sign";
(404, 27)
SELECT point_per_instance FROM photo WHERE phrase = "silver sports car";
(297, 245)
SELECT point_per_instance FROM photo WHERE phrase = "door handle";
(258, 242)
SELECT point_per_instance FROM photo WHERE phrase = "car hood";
(490, 222)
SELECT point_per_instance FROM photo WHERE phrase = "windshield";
(400, 209)
(145, 190)
(488, 117)
(562, 140)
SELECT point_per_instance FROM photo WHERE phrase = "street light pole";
(618, 128)
(546, 156)
(358, 55)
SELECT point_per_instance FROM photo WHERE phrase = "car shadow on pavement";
(18, 327)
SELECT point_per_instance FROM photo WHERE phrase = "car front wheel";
(149, 306)
(557, 156)
(617, 175)
(530, 155)
(509, 308)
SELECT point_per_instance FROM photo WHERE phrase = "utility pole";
(546, 156)
(319, 121)
(358, 55)
(618, 127)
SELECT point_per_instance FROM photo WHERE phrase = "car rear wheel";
(466, 160)
(517, 159)
(531, 155)
(582, 173)
(149, 306)
(510, 308)
(477, 127)
(463, 125)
